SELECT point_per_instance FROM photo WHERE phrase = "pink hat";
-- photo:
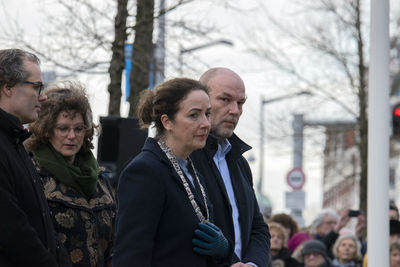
(297, 239)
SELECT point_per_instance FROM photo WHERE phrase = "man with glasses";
(327, 225)
(26, 232)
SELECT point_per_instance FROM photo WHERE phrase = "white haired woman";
(347, 251)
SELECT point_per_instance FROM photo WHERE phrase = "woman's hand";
(209, 240)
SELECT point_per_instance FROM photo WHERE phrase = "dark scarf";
(81, 175)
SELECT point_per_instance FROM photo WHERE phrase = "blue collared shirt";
(220, 161)
(219, 158)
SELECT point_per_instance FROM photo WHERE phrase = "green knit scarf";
(81, 175)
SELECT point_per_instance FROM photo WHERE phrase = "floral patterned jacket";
(85, 227)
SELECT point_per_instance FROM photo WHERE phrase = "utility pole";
(298, 129)
(378, 136)
(260, 196)
(160, 46)
(261, 160)
(298, 126)
(262, 131)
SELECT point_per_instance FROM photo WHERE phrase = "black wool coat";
(285, 256)
(155, 221)
(27, 237)
(254, 231)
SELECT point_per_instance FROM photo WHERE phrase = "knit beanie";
(315, 246)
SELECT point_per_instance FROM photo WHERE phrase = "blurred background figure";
(163, 216)
(327, 225)
(314, 254)
(80, 199)
(347, 251)
(281, 255)
(394, 230)
(395, 254)
(393, 211)
(324, 223)
(287, 222)
(296, 243)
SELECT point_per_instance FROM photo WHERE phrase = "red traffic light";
(396, 112)
(396, 120)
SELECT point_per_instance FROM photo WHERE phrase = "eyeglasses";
(64, 130)
(38, 86)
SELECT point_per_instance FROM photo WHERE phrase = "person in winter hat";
(314, 254)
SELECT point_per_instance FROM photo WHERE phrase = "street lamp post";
(159, 53)
(265, 102)
(191, 49)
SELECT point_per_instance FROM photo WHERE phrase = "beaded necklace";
(165, 148)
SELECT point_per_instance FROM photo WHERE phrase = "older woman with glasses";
(81, 201)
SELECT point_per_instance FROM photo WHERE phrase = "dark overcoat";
(155, 221)
(27, 237)
(254, 231)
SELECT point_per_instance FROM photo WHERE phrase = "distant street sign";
(295, 200)
(296, 178)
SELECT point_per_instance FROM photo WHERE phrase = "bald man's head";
(227, 96)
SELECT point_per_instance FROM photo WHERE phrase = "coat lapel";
(174, 175)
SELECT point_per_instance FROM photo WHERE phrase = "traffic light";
(396, 120)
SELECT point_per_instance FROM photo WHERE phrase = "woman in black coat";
(164, 216)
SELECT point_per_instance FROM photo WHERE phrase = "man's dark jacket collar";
(12, 126)
(238, 146)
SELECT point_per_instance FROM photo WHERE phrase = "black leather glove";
(209, 240)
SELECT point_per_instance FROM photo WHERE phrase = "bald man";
(227, 173)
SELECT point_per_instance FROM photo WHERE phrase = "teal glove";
(209, 240)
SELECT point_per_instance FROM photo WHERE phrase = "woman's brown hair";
(65, 96)
(165, 99)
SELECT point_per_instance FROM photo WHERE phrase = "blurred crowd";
(334, 239)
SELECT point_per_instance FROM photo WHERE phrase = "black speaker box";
(120, 141)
